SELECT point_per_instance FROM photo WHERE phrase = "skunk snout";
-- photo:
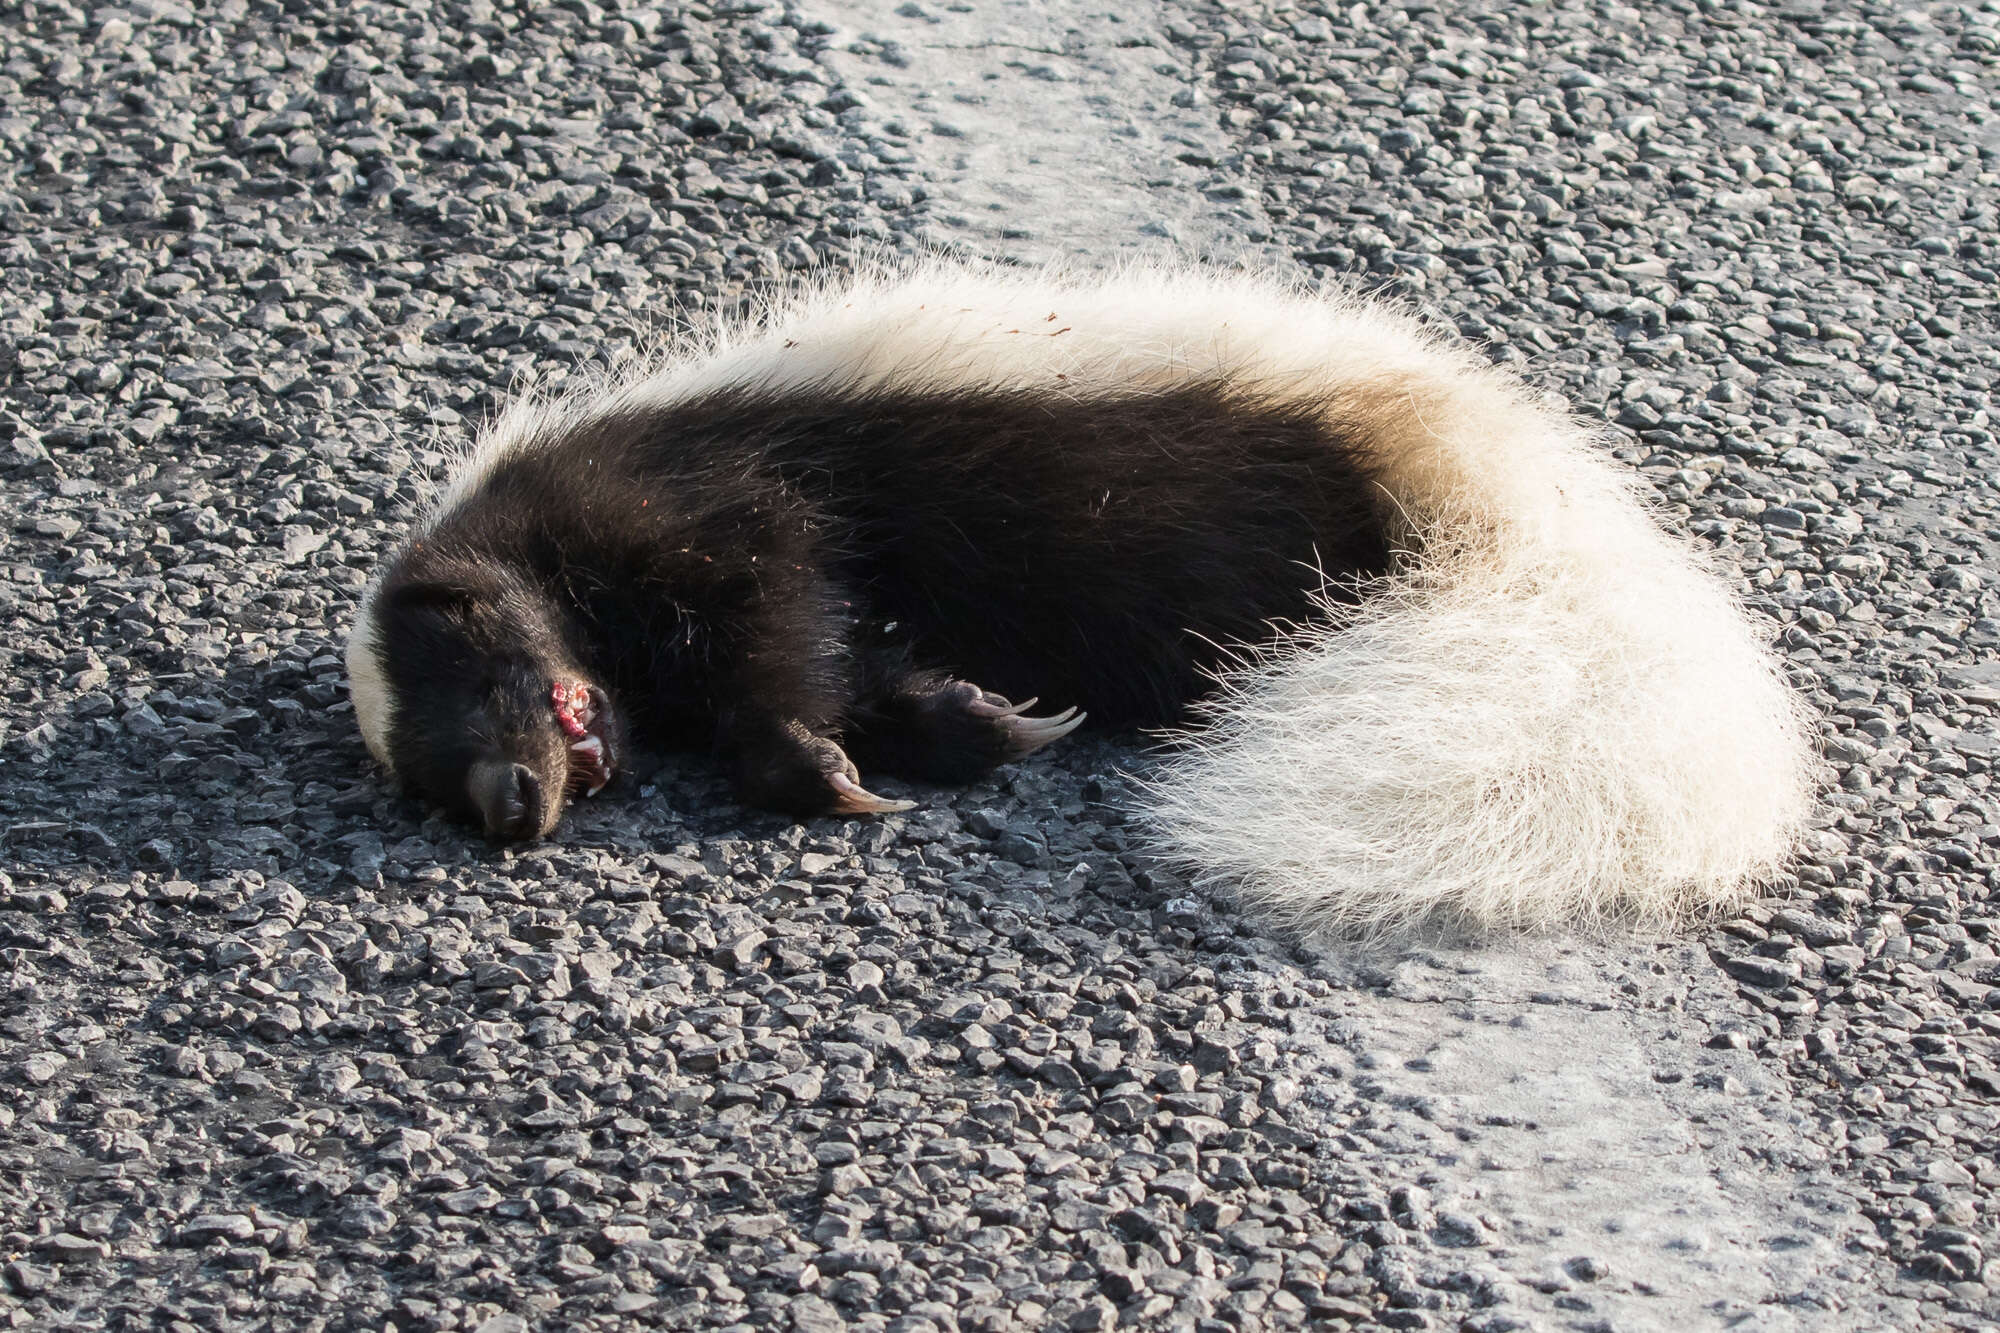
(511, 800)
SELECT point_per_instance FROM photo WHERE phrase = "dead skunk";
(871, 529)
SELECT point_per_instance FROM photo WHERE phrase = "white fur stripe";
(367, 685)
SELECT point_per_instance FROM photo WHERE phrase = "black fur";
(779, 577)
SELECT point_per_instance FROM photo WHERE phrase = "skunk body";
(1481, 683)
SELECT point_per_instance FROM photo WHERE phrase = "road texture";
(279, 1051)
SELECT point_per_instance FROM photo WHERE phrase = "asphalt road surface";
(280, 1051)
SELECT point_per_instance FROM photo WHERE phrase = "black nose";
(509, 797)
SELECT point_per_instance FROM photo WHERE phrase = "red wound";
(573, 710)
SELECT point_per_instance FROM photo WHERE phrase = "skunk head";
(466, 688)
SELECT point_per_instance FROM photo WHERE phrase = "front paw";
(802, 774)
(1013, 732)
(953, 732)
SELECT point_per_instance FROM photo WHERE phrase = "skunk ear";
(428, 623)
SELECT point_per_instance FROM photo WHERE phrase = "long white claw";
(980, 708)
(856, 799)
(1029, 734)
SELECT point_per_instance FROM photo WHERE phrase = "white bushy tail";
(1551, 713)
(1519, 739)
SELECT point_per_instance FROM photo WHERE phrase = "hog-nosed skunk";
(1464, 675)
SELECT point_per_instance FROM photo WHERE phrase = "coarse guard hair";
(1548, 712)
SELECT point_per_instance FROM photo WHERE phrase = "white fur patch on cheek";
(367, 685)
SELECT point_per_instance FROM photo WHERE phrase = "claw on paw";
(993, 705)
(855, 799)
(1025, 735)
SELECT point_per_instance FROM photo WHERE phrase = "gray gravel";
(280, 1052)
